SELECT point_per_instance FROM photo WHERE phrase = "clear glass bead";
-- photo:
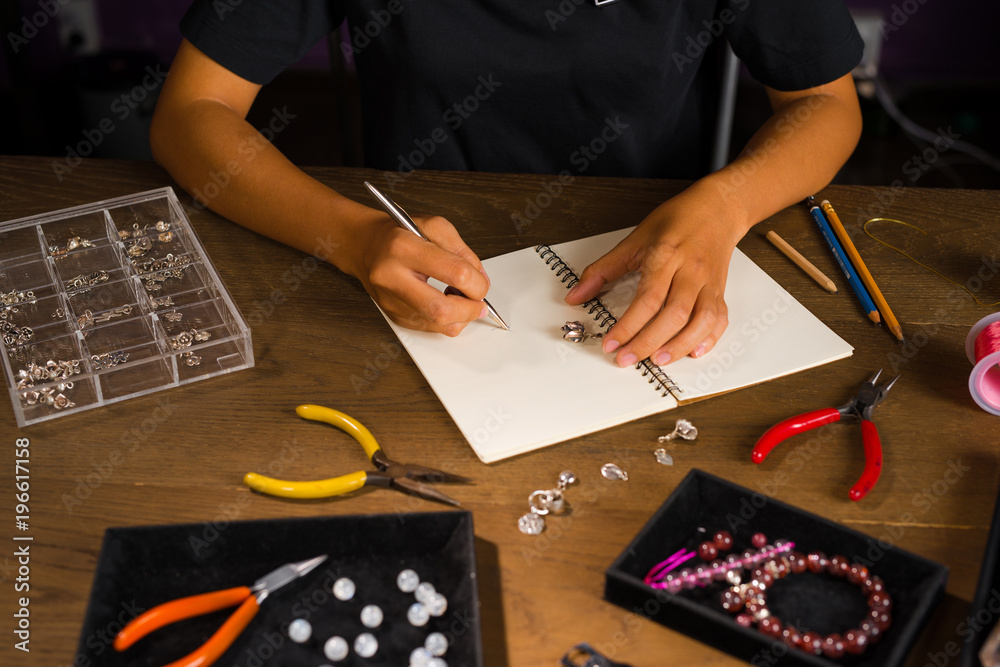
(436, 605)
(662, 456)
(365, 645)
(424, 591)
(420, 657)
(299, 631)
(417, 614)
(436, 643)
(407, 581)
(335, 649)
(343, 589)
(371, 616)
(613, 472)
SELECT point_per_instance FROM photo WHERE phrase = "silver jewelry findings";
(682, 429)
(575, 332)
(71, 244)
(543, 502)
(614, 473)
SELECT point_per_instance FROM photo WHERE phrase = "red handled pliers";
(860, 407)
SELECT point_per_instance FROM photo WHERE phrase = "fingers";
(616, 263)
(400, 265)
(689, 328)
(679, 309)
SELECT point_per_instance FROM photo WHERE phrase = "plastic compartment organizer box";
(108, 301)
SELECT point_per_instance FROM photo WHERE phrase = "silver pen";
(403, 220)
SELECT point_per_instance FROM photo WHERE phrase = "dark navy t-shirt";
(623, 89)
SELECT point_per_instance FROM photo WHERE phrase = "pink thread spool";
(983, 349)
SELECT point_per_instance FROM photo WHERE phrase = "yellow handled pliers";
(405, 477)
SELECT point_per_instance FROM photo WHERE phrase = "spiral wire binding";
(605, 319)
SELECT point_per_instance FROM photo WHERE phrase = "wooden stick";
(801, 262)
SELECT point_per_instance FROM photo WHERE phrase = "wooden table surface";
(318, 338)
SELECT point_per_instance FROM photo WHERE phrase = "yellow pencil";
(801, 262)
(863, 273)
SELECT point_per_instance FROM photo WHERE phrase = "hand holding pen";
(416, 304)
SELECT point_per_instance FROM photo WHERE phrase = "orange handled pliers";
(860, 407)
(247, 597)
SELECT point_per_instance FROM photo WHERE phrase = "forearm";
(795, 153)
(226, 164)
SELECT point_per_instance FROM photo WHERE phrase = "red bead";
(833, 646)
(873, 585)
(744, 620)
(811, 642)
(708, 551)
(870, 628)
(839, 566)
(731, 600)
(790, 635)
(857, 574)
(881, 618)
(880, 601)
(770, 626)
(855, 642)
(817, 561)
(798, 563)
(723, 540)
(759, 540)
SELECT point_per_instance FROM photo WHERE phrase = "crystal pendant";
(663, 457)
(682, 429)
(613, 472)
(531, 524)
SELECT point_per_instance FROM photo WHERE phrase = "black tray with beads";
(822, 603)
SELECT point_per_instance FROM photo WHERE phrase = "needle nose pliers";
(249, 599)
(407, 477)
(860, 407)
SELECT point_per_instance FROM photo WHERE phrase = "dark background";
(939, 60)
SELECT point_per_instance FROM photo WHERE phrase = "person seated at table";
(621, 89)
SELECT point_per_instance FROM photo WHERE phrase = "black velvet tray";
(818, 602)
(141, 567)
(985, 611)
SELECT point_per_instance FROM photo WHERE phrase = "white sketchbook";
(511, 392)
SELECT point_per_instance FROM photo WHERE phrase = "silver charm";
(614, 473)
(663, 457)
(544, 501)
(682, 429)
(574, 332)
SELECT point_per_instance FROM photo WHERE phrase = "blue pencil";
(845, 263)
